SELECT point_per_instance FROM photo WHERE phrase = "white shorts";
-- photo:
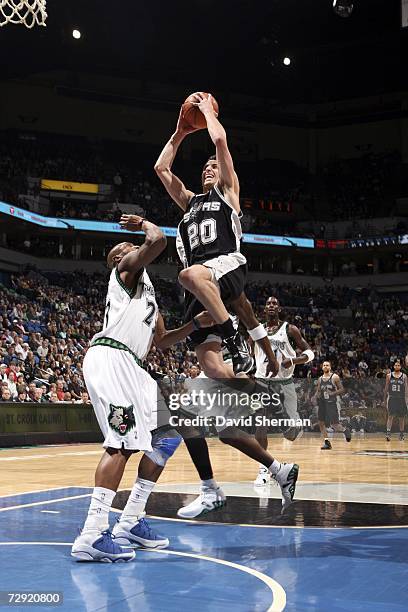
(123, 396)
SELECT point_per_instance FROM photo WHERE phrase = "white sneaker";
(263, 478)
(97, 546)
(209, 499)
(286, 478)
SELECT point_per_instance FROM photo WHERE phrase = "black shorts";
(231, 283)
(397, 407)
(327, 412)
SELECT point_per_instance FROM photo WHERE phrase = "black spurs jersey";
(327, 386)
(210, 227)
(396, 388)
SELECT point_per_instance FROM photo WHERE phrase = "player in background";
(284, 339)
(124, 398)
(396, 398)
(328, 392)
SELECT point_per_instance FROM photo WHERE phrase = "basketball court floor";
(343, 545)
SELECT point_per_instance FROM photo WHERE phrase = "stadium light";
(76, 34)
(287, 61)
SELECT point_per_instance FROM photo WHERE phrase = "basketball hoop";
(26, 12)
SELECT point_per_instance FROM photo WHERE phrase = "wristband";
(309, 354)
(258, 333)
(196, 324)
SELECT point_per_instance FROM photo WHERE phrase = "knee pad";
(164, 443)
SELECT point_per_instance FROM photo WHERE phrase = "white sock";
(98, 513)
(263, 468)
(137, 500)
(274, 467)
(209, 484)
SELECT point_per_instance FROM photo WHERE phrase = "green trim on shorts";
(131, 292)
(117, 345)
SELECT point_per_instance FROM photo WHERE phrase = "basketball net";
(26, 12)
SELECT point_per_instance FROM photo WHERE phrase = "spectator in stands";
(11, 382)
(54, 398)
(6, 395)
(60, 390)
(22, 396)
(84, 399)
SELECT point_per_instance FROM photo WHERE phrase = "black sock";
(198, 449)
(226, 329)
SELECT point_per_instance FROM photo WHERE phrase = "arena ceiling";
(222, 45)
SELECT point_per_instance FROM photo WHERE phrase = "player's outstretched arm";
(173, 185)
(164, 338)
(155, 242)
(228, 179)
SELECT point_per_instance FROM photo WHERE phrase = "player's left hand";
(286, 363)
(204, 104)
(205, 319)
(133, 223)
(272, 367)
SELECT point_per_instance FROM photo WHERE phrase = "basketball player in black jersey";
(396, 398)
(214, 274)
(329, 388)
(208, 244)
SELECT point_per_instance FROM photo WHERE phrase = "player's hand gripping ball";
(194, 109)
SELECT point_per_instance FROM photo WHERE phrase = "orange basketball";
(192, 115)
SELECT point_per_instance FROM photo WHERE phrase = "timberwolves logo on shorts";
(121, 419)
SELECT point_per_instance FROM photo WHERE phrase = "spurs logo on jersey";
(130, 314)
(327, 387)
(210, 227)
(397, 386)
(282, 348)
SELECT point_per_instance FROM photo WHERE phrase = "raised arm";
(133, 262)
(228, 180)
(173, 185)
(164, 338)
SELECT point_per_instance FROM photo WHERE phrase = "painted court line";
(278, 592)
(49, 456)
(45, 502)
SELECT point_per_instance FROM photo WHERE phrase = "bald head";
(117, 253)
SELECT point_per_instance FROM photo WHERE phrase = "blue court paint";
(320, 569)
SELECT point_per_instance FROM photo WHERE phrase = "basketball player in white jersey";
(125, 399)
(285, 340)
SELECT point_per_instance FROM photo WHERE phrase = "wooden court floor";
(46, 467)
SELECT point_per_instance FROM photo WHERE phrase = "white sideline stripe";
(278, 592)
(50, 511)
(45, 502)
(43, 491)
(48, 456)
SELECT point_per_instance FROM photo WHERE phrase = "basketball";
(192, 114)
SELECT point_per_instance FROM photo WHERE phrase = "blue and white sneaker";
(96, 546)
(138, 534)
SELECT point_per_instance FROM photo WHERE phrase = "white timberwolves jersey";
(282, 349)
(130, 314)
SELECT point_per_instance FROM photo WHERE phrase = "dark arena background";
(313, 97)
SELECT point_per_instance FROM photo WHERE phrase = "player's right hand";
(272, 367)
(183, 127)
